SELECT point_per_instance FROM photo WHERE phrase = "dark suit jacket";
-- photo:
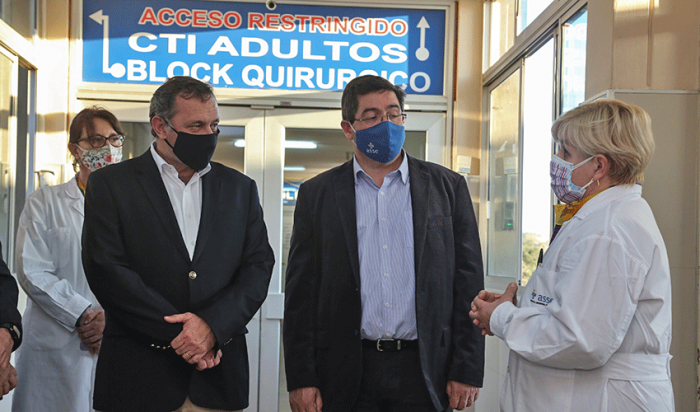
(323, 311)
(8, 299)
(138, 267)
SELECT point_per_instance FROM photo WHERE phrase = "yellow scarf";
(564, 212)
(81, 186)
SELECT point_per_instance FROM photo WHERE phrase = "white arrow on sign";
(422, 53)
(117, 70)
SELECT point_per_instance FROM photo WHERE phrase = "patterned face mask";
(560, 171)
(95, 159)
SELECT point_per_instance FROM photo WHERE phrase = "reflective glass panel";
(538, 104)
(5, 170)
(501, 28)
(573, 61)
(20, 15)
(529, 10)
(504, 170)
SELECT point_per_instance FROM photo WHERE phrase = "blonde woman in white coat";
(592, 329)
(63, 322)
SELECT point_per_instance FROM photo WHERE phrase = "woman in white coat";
(592, 330)
(63, 322)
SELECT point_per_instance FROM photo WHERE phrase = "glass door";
(8, 123)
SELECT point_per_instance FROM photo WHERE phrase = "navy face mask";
(381, 142)
(194, 150)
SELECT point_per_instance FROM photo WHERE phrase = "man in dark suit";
(10, 328)
(176, 251)
(384, 261)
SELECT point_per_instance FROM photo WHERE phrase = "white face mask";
(561, 171)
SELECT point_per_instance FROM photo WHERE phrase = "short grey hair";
(163, 100)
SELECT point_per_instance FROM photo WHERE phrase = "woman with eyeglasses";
(63, 321)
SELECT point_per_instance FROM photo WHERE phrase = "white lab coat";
(54, 374)
(592, 330)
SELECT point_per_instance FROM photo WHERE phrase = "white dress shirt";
(185, 198)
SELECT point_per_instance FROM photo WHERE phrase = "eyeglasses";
(98, 141)
(398, 118)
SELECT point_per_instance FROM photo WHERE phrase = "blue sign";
(289, 194)
(245, 45)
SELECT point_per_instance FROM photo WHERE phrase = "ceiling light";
(288, 144)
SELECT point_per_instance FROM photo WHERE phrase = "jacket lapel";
(211, 190)
(154, 190)
(420, 201)
(344, 187)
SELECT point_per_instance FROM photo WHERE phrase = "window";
(501, 28)
(546, 79)
(20, 15)
(573, 78)
(528, 11)
(504, 177)
(538, 104)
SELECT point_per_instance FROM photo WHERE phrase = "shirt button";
(384, 247)
(388, 334)
(387, 304)
(383, 219)
(381, 193)
(386, 275)
(193, 275)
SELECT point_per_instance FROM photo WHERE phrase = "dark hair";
(86, 120)
(361, 86)
(163, 100)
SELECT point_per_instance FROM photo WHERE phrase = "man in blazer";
(384, 259)
(176, 250)
(10, 328)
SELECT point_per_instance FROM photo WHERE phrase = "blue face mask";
(381, 142)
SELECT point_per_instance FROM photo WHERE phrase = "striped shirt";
(385, 246)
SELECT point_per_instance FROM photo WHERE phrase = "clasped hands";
(8, 374)
(196, 341)
(486, 302)
(92, 324)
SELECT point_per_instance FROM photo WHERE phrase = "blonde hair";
(619, 131)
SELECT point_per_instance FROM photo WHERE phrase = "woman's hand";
(485, 303)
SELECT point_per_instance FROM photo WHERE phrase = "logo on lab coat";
(540, 299)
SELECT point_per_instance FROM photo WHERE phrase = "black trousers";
(392, 382)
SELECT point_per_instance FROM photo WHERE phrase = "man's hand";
(8, 379)
(461, 395)
(209, 360)
(196, 338)
(6, 345)
(305, 400)
(483, 308)
(92, 324)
